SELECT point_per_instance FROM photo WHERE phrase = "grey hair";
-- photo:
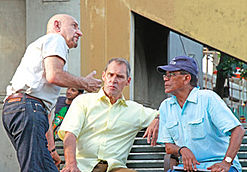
(194, 79)
(120, 61)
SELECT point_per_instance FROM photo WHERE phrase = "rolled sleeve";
(164, 135)
(221, 115)
(147, 116)
(55, 45)
(74, 119)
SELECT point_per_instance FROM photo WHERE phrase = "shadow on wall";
(150, 51)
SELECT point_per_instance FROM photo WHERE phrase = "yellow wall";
(219, 24)
(106, 26)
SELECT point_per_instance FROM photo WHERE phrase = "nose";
(79, 32)
(114, 79)
(165, 78)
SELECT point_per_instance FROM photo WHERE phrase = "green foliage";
(228, 67)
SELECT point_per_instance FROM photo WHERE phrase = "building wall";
(23, 21)
(37, 14)
(12, 38)
(218, 24)
(108, 26)
(12, 45)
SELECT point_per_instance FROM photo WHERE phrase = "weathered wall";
(12, 45)
(22, 21)
(219, 24)
(37, 14)
(107, 26)
(12, 38)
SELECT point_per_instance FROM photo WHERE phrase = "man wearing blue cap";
(196, 124)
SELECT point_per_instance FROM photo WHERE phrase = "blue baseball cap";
(185, 63)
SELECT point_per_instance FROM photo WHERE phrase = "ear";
(187, 79)
(57, 26)
(128, 81)
(103, 75)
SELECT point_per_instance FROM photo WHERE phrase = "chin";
(75, 45)
(167, 91)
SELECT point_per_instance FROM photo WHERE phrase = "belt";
(16, 97)
(102, 162)
(101, 166)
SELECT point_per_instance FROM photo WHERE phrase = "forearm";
(172, 149)
(65, 79)
(51, 143)
(237, 135)
(50, 140)
(70, 148)
(55, 74)
(234, 145)
(189, 160)
(49, 135)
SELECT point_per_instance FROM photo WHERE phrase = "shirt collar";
(193, 95)
(191, 98)
(101, 96)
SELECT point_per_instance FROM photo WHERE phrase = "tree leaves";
(229, 66)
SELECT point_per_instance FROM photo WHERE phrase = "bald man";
(34, 90)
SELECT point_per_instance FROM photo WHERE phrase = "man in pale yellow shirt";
(99, 128)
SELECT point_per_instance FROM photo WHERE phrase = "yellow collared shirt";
(104, 131)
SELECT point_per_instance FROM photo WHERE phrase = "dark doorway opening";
(150, 51)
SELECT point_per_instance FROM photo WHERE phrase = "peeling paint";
(126, 2)
(91, 25)
(85, 2)
(99, 11)
(216, 24)
(91, 46)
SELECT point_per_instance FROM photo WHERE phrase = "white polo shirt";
(30, 74)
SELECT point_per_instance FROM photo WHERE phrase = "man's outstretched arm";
(56, 75)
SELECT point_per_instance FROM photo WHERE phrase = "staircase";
(145, 158)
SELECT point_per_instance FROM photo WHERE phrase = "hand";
(56, 158)
(92, 84)
(72, 167)
(223, 167)
(189, 159)
(152, 131)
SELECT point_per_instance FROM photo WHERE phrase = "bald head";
(60, 18)
(66, 26)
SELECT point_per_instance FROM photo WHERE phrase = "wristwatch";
(228, 159)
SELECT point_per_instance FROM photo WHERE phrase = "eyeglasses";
(169, 75)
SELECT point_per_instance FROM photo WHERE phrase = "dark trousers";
(26, 123)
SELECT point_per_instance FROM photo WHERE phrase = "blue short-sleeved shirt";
(203, 125)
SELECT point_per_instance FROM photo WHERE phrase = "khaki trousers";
(103, 168)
